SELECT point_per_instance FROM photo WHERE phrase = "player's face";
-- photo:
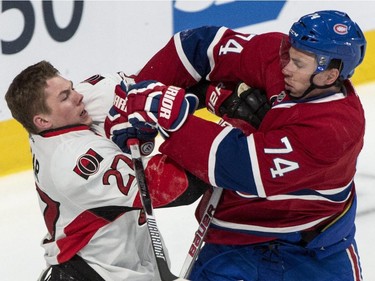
(65, 104)
(297, 72)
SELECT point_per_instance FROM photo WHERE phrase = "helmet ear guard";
(330, 35)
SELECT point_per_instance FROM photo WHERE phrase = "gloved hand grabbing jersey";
(151, 104)
(119, 130)
(245, 103)
(250, 104)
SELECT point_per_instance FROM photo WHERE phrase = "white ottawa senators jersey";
(88, 197)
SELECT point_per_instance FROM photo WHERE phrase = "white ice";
(22, 227)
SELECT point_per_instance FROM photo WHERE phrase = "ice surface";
(22, 227)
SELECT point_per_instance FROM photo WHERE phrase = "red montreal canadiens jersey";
(293, 175)
(221, 55)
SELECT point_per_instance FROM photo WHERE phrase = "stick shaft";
(157, 245)
(201, 233)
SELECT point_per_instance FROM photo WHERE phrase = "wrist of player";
(119, 130)
(218, 96)
(146, 141)
(174, 107)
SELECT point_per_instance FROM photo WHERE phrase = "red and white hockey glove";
(119, 130)
(151, 104)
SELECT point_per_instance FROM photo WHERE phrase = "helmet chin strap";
(312, 87)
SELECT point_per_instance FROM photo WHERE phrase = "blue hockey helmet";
(330, 35)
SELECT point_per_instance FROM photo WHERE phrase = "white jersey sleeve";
(98, 93)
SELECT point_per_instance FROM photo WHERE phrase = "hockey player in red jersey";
(288, 209)
(86, 185)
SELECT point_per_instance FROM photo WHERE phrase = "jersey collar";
(63, 130)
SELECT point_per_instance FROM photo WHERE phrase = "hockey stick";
(201, 233)
(157, 245)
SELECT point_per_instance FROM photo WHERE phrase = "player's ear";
(332, 75)
(42, 122)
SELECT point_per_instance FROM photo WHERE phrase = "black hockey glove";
(246, 103)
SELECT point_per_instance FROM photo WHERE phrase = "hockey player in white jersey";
(85, 184)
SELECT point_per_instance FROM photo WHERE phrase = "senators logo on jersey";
(94, 79)
(88, 164)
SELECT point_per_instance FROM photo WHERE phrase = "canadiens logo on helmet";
(340, 29)
(88, 164)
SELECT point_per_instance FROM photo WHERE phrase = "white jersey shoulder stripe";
(210, 53)
(184, 59)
